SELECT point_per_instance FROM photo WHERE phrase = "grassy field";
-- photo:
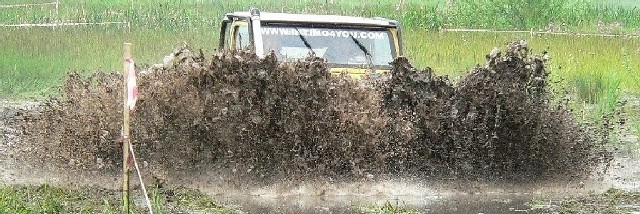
(33, 61)
(186, 14)
(30, 69)
(26, 199)
(595, 69)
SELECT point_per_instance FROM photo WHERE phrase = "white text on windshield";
(325, 33)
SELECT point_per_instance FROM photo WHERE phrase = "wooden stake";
(125, 132)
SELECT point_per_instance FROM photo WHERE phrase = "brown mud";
(234, 124)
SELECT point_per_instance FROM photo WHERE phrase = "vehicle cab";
(356, 46)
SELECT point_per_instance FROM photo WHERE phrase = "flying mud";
(263, 120)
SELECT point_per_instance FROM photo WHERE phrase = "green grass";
(188, 14)
(49, 199)
(623, 3)
(572, 57)
(156, 200)
(595, 70)
(36, 59)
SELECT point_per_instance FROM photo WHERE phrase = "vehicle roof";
(312, 18)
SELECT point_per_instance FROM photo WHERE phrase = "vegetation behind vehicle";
(36, 59)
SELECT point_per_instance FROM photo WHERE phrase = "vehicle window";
(242, 37)
(343, 46)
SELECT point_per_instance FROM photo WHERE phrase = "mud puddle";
(479, 198)
(437, 203)
(419, 195)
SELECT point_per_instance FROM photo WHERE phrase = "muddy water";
(425, 196)
(349, 197)
(440, 201)
(418, 194)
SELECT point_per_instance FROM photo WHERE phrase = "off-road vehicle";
(356, 46)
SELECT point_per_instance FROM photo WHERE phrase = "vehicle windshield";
(341, 46)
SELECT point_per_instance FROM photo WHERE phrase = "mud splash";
(267, 121)
(499, 122)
